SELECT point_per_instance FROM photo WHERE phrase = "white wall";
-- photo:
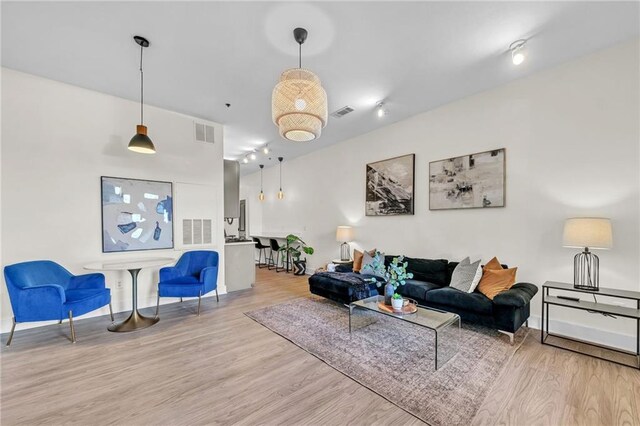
(572, 146)
(57, 140)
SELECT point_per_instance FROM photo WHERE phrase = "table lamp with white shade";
(344, 234)
(588, 233)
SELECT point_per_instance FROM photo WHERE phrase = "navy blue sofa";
(508, 311)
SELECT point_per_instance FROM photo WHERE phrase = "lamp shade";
(591, 232)
(299, 105)
(344, 234)
(141, 143)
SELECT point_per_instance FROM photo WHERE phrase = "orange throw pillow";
(357, 259)
(493, 264)
(495, 281)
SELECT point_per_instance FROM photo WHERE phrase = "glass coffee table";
(445, 325)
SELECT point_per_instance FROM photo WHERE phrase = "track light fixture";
(380, 111)
(245, 160)
(252, 156)
(265, 149)
(518, 51)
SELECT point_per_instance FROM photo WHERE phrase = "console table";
(596, 307)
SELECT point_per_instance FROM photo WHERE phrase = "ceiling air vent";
(204, 133)
(342, 112)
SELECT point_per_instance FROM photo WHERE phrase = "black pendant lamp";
(140, 142)
(280, 193)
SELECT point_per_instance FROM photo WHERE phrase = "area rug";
(396, 359)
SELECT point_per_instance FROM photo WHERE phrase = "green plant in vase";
(294, 248)
(395, 274)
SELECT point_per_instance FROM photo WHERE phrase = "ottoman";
(342, 287)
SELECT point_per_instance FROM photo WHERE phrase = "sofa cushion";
(430, 270)
(417, 289)
(474, 302)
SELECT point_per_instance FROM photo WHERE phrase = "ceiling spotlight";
(380, 111)
(245, 160)
(518, 51)
(265, 149)
(252, 156)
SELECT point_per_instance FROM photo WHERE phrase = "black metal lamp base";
(586, 271)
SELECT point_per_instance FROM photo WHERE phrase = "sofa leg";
(217, 298)
(199, 302)
(181, 300)
(13, 328)
(73, 331)
(59, 322)
(526, 323)
(508, 334)
(110, 312)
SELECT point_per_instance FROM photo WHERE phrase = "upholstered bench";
(343, 287)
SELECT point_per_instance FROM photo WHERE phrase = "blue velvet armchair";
(195, 274)
(42, 290)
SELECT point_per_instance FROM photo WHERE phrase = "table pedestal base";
(135, 322)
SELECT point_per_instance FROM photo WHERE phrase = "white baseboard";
(589, 334)
(122, 306)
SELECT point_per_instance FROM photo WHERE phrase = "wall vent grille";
(342, 112)
(204, 133)
(196, 231)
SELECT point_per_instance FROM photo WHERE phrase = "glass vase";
(388, 293)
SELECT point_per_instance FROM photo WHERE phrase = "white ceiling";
(414, 55)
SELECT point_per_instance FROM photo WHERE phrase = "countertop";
(239, 243)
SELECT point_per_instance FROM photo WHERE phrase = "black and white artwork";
(469, 181)
(136, 214)
(390, 186)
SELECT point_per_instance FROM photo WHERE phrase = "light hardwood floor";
(223, 368)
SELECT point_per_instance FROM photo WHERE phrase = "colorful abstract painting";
(136, 214)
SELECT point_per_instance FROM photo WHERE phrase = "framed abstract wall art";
(469, 181)
(136, 214)
(390, 185)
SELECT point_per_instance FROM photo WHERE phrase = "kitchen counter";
(239, 265)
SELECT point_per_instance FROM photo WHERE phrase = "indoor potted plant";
(294, 248)
(395, 274)
(396, 302)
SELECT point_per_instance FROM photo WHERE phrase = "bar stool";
(262, 249)
(275, 247)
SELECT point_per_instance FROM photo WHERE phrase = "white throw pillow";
(467, 275)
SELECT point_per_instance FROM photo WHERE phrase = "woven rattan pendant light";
(299, 103)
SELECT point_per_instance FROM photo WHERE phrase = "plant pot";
(299, 267)
(397, 304)
(388, 293)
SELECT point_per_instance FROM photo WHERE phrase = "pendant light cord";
(299, 55)
(141, 88)
(280, 175)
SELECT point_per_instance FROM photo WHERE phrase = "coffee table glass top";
(426, 317)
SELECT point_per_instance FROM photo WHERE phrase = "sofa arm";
(348, 267)
(40, 302)
(95, 281)
(209, 277)
(519, 295)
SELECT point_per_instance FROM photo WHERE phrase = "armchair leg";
(110, 312)
(199, 302)
(217, 298)
(158, 305)
(511, 335)
(73, 331)
(181, 300)
(59, 322)
(13, 328)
